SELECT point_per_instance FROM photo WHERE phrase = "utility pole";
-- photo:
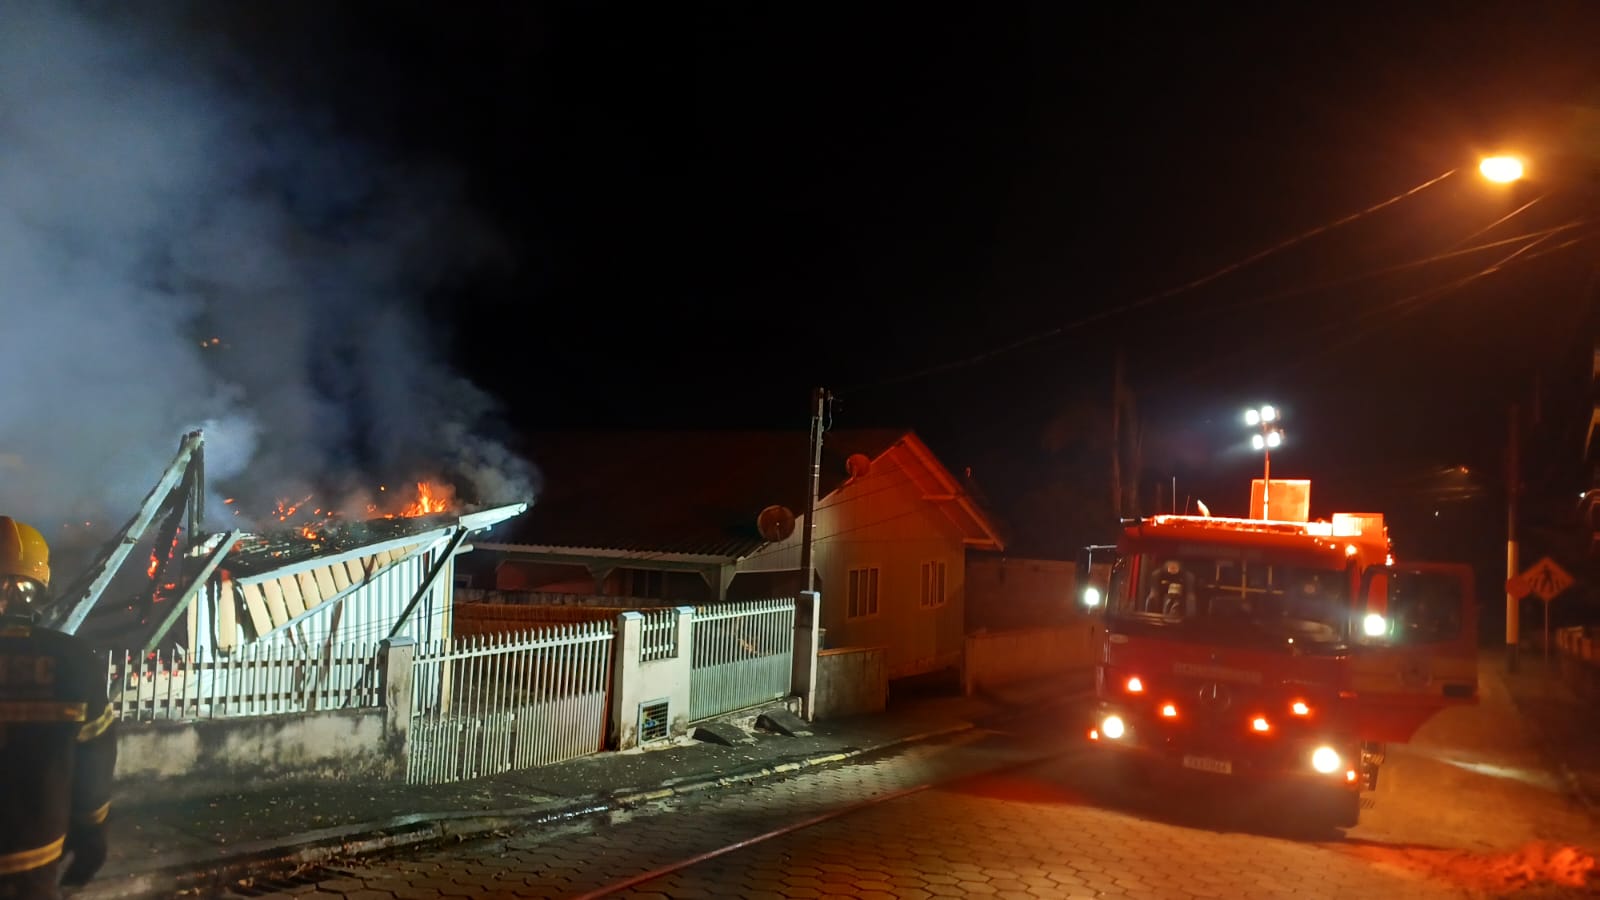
(1116, 438)
(819, 401)
(1513, 479)
(1124, 420)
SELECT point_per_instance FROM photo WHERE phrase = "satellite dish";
(858, 464)
(775, 523)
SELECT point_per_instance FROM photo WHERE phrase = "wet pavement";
(979, 802)
(159, 847)
(1027, 811)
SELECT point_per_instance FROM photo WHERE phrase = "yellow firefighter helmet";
(23, 552)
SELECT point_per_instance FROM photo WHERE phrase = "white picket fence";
(482, 704)
(253, 680)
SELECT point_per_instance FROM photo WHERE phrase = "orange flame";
(157, 557)
(431, 498)
(286, 510)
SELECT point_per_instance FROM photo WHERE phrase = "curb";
(359, 839)
(744, 776)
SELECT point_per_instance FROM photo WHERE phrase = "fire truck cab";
(1282, 651)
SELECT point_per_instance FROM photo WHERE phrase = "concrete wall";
(636, 682)
(1003, 657)
(1577, 654)
(172, 760)
(1006, 592)
(852, 681)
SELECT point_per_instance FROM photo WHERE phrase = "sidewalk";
(158, 849)
(1562, 722)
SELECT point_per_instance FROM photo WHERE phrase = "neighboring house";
(671, 518)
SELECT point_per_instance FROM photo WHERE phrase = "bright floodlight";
(1374, 625)
(1252, 417)
(1268, 414)
(1274, 438)
(1258, 441)
(1091, 596)
(1501, 169)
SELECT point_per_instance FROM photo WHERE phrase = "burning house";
(307, 584)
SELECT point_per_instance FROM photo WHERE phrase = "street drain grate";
(653, 721)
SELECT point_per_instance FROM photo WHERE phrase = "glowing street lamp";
(1266, 440)
(1501, 169)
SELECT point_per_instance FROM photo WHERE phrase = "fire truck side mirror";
(1410, 607)
(1093, 575)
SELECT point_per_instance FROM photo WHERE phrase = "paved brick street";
(1464, 811)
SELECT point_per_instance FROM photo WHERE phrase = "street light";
(1501, 169)
(1266, 440)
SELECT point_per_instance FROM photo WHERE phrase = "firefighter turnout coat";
(57, 754)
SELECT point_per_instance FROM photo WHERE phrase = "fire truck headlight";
(1374, 625)
(1325, 760)
(1091, 596)
(1112, 727)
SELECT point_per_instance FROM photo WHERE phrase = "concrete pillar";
(626, 684)
(807, 641)
(396, 657)
(678, 672)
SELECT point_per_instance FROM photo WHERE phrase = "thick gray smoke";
(178, 254)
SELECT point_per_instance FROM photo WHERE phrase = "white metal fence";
(742, 655)
(494, 703)
(659, 639)
(253, 680)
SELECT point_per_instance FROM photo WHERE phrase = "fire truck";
(1278, 650)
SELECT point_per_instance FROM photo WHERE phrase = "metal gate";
(743, 655)
(494, 703)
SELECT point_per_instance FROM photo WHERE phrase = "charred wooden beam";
(207, 569)
(84, 592)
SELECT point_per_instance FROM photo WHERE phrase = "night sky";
(718, 207)
(706, 210)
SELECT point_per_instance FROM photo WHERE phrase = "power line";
(1396, 308)
(1102, 315)
(1500, 221)
(1392, 269)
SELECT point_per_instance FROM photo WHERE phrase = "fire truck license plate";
(1207, 764)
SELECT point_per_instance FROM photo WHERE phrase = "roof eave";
(988, 536)
(610, 553)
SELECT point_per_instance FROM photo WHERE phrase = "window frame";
(935, 574)
(863, 592)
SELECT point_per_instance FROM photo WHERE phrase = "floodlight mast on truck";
(1279, 650)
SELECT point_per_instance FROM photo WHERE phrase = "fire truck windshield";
(1215, 591)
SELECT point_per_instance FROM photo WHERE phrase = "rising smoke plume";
(179, 250)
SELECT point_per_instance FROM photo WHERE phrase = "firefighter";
(57, 744)
(1172, 592)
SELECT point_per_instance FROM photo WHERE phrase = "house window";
(863, 592)
(932, 584)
